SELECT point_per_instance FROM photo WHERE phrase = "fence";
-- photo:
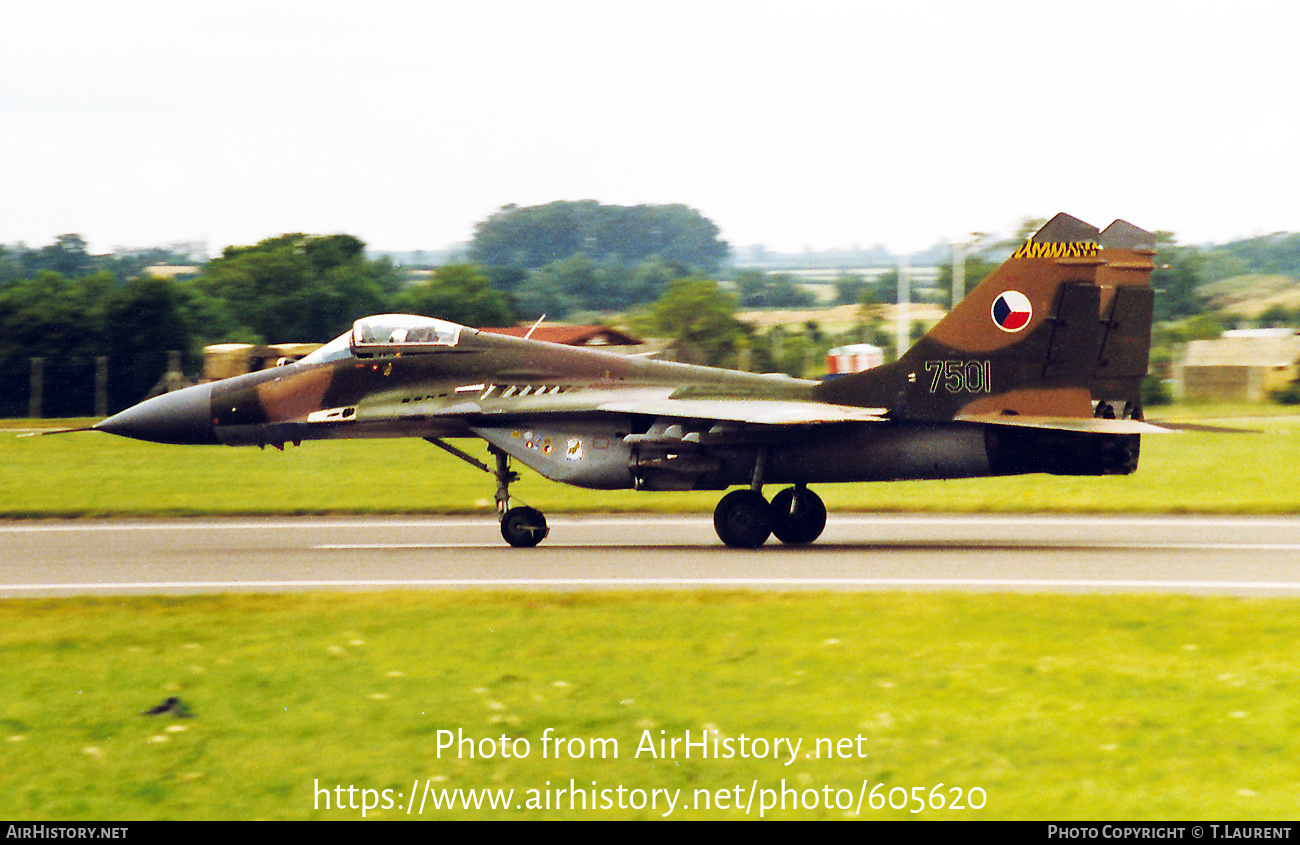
(72, 386)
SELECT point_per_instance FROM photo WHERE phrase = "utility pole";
(959, 252)
(101, 386)
(958, 273)
(903, 325)
(36, 399)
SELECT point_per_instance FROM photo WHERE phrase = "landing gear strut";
(744, 519)
(522, 527)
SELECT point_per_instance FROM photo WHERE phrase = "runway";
(1194, 555)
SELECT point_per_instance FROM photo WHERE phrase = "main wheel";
(743, 519)
(798, 515)
(524, 527)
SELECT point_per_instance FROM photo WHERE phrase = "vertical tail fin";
(1062, 329)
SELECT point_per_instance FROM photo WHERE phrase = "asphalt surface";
(1191, 555)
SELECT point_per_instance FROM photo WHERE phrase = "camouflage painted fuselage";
(1038, 369)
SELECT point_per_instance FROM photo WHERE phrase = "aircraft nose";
(182, 416)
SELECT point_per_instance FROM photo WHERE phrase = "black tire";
(798, 516)
(743, 519)
(524, 528)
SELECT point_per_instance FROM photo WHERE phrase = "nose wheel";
(522, 527)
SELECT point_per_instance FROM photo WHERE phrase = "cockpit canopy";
(389, 334)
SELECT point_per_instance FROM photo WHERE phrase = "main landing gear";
(522, 527)
(744, 519)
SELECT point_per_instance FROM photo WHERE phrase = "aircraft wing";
(756, 411)
(794, 412)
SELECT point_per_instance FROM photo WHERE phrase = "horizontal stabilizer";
(1205, 429)
(1088, 425)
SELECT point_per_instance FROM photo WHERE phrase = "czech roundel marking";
(1012, 310)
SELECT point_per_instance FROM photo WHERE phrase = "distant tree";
(211, 319)
(977, 269)
(67, 256)
(1278, 253)
(855, 289)
(1177, 279)
(144, 320)
(61, 320)
(71, 322)
(1277, 316)
(1024, 232)
(1221, 264)
(886, 287)
(535, 236)
(330, 251)
(851, 288)
(127, 264)
(299, 287)
(460, 293)
(557, 289)
(652, 277)
(771, 290)
(505, 279)
(577, 283)
(700, 317)
(11, 269)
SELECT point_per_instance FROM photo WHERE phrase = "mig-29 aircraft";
(1037, 370)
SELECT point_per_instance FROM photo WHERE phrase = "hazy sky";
(794, 124)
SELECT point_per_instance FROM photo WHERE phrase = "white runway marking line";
(669, 582)
(326, 522)
(1028, 545)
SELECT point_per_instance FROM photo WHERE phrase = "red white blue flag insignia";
(1012, 310)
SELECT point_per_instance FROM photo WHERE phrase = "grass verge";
(1057, 707)
(91, 474)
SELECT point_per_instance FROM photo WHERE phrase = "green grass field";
(1056, 707)
(92, 474)
(1031, 706)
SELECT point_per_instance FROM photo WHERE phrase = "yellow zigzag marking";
(1080, 249)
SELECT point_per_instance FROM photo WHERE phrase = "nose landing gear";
(522, 527)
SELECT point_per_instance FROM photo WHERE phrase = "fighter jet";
(1037, 370)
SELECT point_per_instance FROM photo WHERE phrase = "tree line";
(68, 307)
(663, 267)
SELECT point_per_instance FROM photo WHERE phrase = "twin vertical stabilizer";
(1062, 330)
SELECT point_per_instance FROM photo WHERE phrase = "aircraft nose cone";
(182, 416)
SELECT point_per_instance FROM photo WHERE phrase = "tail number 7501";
(960, 376)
